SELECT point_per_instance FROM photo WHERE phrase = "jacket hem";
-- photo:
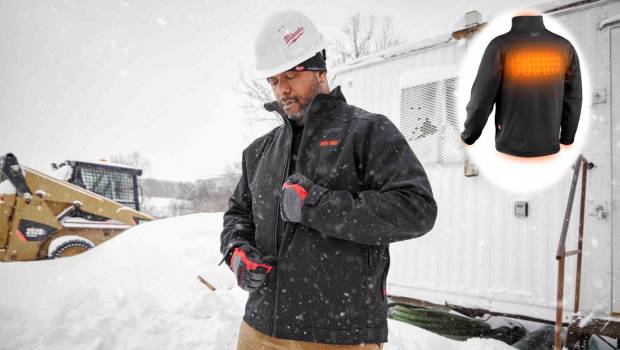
(525, 152)
(320, 335)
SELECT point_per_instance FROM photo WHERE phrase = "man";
(318, 202)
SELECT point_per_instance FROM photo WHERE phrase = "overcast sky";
(89, 79)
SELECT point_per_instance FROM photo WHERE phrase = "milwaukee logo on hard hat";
(292, 37)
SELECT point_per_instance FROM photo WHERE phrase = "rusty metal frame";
(561, 253)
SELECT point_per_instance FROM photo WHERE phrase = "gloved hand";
(250, 267)
(292, 195)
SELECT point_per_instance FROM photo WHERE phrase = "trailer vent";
(429, 122)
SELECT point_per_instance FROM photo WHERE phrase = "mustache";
(287, 99)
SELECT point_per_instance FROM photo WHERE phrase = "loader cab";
(115, 181)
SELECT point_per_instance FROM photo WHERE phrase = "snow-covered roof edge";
(554, 6)
(550, 7)
(393, 52)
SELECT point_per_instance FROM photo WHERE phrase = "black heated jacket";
(532, 77)
(369, 190)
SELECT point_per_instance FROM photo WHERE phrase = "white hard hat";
(286, 39)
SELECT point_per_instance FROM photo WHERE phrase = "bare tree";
(134, 159)
(362, 37)
(386, 37)
(359, 32)
(258, 93)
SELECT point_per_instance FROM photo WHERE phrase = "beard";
(301, 116)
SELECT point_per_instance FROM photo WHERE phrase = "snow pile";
(63, 172)
(140, 291)
(6, 187)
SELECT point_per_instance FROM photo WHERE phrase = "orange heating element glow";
(535, 64)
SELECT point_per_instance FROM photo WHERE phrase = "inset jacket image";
(532, 77)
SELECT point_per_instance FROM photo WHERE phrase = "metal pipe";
(561, 254)
(76, 205)
(584, 176)
(560, 306)
(569, 206)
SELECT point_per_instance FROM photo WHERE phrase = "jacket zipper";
(369, 252)
(385, 273)
(275, 237)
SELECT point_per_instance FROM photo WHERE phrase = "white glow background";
(519, 174)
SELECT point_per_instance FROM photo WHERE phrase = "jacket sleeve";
(483, 93)
(571, 106)
(398, 204)
(238, 220)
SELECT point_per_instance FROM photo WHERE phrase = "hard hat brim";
(266, 73)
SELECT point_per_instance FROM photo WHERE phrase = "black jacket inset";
(532, 77)
(370, 190)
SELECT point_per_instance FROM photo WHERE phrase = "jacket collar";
(531, 23)
(320, 103)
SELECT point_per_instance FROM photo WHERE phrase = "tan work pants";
(251, 339)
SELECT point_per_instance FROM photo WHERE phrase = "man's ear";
(323, 81)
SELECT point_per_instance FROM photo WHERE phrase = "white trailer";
(480, 253)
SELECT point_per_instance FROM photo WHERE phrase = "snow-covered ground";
(140, 291)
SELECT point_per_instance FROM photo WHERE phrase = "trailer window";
(428, 121)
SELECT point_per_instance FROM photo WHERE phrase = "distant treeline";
(209, 195)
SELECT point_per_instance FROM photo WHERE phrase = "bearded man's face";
(294, 91)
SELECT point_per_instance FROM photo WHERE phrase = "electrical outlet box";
(521, 209)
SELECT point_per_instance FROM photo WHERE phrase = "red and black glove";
(292, 195)
(250, 267)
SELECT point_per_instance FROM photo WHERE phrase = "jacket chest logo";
(330, 138)
(326, 143)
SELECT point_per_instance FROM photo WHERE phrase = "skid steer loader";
(43, 217)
